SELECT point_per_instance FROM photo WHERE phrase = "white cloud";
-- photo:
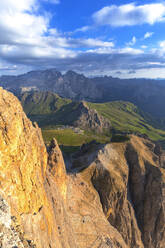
(132, 42)
(101, 50)
(162, 44)
(17, 5)
(26, 34)
(96, 43)
(130, 14)
(109, 50)
(52, 1)
(6, 66)
(130, 50)
(19, 23)
(143, 47)
(153, 73)
(148, 35)
(60, 41)
(82, 29)
(53, 32)
(28, 53)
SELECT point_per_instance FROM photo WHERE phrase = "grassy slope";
(125, 116)
(42, 103)
(49, 110)
(71, 141)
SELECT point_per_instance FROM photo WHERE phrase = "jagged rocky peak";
(51, 72)
(40, 78)
(56, 166)
(72, 74)
(83, 107)
(90, 119)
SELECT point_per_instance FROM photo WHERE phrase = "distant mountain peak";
(147, 94)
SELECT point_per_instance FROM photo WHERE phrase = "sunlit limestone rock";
(44, 206)
(23, 165)
(130, 181)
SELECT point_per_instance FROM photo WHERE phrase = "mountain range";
(147, 94)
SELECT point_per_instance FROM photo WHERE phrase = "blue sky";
(104, 37)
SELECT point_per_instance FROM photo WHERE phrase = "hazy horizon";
(86, 75)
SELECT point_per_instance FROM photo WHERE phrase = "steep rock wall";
(130, 181)
(23, 165)
(48, 208)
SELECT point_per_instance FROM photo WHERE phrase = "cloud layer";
(27, 41)
(130, 14)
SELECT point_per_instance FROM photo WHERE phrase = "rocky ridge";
(89, 119)
(54, 110)
(130, 181)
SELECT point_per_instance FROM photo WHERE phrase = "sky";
(120, 38)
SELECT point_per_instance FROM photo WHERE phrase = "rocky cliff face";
(73, 85)
(42, 206)
(112, 197)
(130, 181)
(23, 176)
(89, 119)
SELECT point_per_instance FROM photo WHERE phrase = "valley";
(97, 121)
(98, 105)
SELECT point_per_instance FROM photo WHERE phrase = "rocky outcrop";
(48, 109)
(89, 119)
(147, 184)
(42, 206)
(82, 215)
(106, 169)
(130, 182)
(23, 163)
